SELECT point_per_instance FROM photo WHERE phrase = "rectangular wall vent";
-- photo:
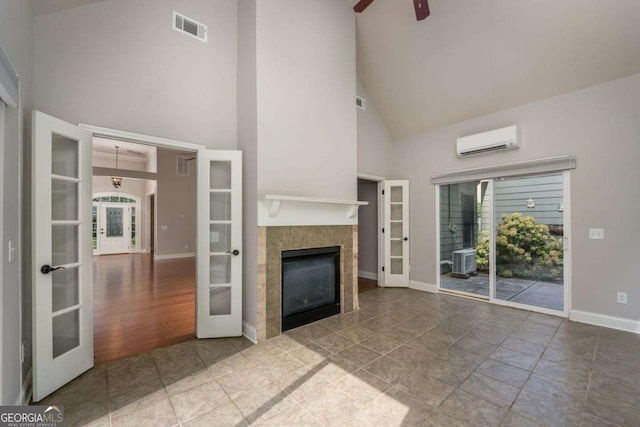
(182, 165)
(189, 27)
(361, 103)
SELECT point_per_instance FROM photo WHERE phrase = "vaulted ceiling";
(471, 58)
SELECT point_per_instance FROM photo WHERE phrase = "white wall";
(306, 85)
(16, 38)
(368, 227)
(175, 206)
(120, 64)
(375, 143)
(600, 125)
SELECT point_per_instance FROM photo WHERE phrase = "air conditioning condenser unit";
(464, 262)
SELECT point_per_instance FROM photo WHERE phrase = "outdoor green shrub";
(523, 249)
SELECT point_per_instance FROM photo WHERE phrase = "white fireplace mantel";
(297, 210)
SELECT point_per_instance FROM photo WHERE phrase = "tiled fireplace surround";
(272, 240)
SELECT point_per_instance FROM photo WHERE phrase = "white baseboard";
(426, 287)
(27, 389)
(173, 256)
(368, 275)
(612, 322)
(250, 332)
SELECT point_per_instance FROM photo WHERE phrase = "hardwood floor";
(140, 305)
(365, 285)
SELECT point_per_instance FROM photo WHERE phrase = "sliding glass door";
(529, 240)
(505, 240)
(464, 237)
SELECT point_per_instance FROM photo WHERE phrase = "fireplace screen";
(310, 285)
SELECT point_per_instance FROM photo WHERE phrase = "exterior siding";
(512, 194)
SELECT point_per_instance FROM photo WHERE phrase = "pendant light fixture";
(116, 180)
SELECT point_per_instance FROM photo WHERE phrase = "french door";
(63, 239)
(219, 243)
(396, 233)
(62, 277)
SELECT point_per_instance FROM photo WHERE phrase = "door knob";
(46, 269)
(234, 252)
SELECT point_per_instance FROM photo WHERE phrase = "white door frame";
(379, 180)
(492, 263)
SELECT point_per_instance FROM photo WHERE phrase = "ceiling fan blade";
(422, 9)
(362, 5)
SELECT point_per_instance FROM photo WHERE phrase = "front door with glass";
(115, 228)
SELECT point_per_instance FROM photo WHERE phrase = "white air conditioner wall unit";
(487, 142)
(464, 262)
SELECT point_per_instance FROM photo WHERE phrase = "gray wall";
(175, 206)
(297, 122)
(600, 125)
(119, 64)
(375, 143)
(368, 227)
(17, 40)
(306, 86)
(248, 143)
(2, 321)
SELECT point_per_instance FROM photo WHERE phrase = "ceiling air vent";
(189, 27)
(361, 103)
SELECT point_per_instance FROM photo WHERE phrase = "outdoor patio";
(531, 292)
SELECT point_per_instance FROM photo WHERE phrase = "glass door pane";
(529, 218)
(114, 222)
(396, 229)
(220, 208)
(464, 237)
(65, 234)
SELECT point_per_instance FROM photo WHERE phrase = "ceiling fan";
(421, 7)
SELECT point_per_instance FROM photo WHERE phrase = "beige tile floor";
(407, 358)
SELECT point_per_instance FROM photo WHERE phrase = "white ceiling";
(471, 58)
(40, 7)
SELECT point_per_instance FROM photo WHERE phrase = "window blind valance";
(8, 81)
(526, 167)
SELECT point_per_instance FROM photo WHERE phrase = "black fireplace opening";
(310, 285)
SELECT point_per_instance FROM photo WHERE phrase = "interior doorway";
(144, 277)
(370, 246)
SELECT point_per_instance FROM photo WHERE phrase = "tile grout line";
(164, 387)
